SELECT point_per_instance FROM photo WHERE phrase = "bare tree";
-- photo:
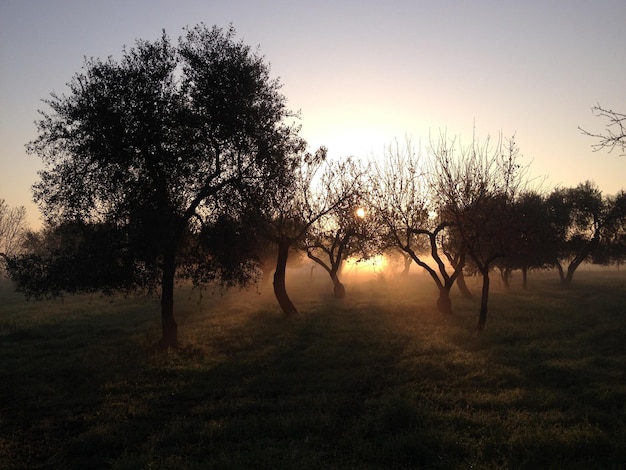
(402, 202)
(345, 231)
(12, 231)
(476, 186)
(287, 210)
(615, 133)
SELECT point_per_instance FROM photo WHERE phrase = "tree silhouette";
(405, 210)
(12, 232)
(345, 231)
(153, 142)
(532, 243)
(476, 187)
(287, 209)
(581, 218)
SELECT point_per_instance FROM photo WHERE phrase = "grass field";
(378, 380)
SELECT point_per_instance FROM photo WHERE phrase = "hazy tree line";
(181, 162)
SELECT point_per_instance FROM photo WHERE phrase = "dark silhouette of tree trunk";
(525, 277)
(170, 328)
(505, 274)
(407, 265)
(444, 304)
(460, 282)
(339, 289)
(280, 288)
(567, 276)
(445, 283)
(577, 261)
(454, 261)
(484, 300)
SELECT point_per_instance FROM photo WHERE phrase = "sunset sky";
(362, 73)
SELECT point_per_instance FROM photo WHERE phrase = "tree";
(159, 141)
(577, 217)
(74, 257)
(343, 232)
(403, 206)
(476, 186)
(287, 211)
(612, 247)
(615, 134)
(12, 231)
(532, 244)
(587, 225)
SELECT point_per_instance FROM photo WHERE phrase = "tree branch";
(615, 135)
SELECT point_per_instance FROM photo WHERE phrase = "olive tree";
(582, 219)
(532, 243)
(614, 233)
(476, 186)
(286, 212)
(152, 142)
(402, 202)
(346, 230)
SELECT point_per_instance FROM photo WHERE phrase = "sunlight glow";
(360, 213)
(373, 266)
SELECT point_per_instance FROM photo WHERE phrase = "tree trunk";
(561, 273)
(484, 299)
(407, 265)
(169, 326)
(280, 289)
(525, 277)
(460, 282)
(577, 261)
(573, 266)
(505, 274)
(444, 304)
(338, 288)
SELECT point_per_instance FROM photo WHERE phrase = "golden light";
(360, 213)
(376, 265)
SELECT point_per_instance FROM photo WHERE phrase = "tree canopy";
(156, 143)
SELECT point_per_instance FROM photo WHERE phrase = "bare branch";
(615, 135)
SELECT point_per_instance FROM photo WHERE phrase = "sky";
(362, 73)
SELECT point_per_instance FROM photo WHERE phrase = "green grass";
(378, 380)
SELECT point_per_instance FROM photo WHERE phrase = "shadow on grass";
(248, 387)
(376, 381)
(555, 389)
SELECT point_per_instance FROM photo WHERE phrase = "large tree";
(152, 141)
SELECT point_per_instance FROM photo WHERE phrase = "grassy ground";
(378, 380)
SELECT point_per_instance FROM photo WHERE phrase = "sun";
(360, 213)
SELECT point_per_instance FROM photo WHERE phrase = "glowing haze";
(363, 73)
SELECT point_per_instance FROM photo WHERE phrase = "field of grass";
(378, 380)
